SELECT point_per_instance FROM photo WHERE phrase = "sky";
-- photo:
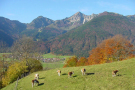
(27, 10)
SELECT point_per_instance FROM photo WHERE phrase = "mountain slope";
(60, 26)
(6, 39)
(10, 30)
(132, 17)
(98, 77)
(42, 28)
(11, 27)
(81, 40)
(72, 22)
(39, 22)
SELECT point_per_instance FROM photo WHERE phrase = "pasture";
(52, 65)
(98, 77)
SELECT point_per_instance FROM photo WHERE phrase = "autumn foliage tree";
(113, 49)
(72, 62)
(17, 69)
(82, 61)
(13, 72)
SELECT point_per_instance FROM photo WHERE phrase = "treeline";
(23, 59)
(113, 49)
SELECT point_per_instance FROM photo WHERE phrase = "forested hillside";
(81, 40)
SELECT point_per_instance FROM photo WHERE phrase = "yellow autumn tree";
(14, 71)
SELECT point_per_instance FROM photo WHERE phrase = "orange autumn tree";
(82, 61)
(112, 49)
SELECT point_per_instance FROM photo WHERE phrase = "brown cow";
(83, 70)
(70, 74)
(114, 73)
(35, 81)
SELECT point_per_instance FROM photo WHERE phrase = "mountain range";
(76, 35)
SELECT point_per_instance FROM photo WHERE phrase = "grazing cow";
(114, 73)
(37, 76)
(70, 73)
(35, 81)
(59, 72)
(83, 70)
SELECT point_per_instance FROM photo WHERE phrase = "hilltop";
(99, 77)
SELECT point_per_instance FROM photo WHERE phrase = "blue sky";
(27, 10)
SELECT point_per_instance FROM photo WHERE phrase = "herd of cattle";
(83, 70)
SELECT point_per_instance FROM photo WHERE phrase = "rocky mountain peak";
(81, 17)
(78, 14)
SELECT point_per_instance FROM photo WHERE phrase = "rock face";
(72, 22)
(82, 18)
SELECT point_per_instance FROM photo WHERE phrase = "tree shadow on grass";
(64, 74)
(90, 73)
(42, 78)
(75, 76)
(120, 75)
(41, 84)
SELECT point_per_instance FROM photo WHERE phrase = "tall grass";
(98, 77)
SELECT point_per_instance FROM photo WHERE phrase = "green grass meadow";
(52, 65)
(98, 77)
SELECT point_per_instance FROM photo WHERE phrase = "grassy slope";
(100, 78)
(53, 65)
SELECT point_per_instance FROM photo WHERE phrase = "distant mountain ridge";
(41, 28)
(41, 25)
(65, 24)
(76, 35)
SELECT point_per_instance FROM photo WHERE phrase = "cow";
(35, 81)
(70, 74)
(36, 76)
(59, 72)
(114, 73)
(83, 70)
